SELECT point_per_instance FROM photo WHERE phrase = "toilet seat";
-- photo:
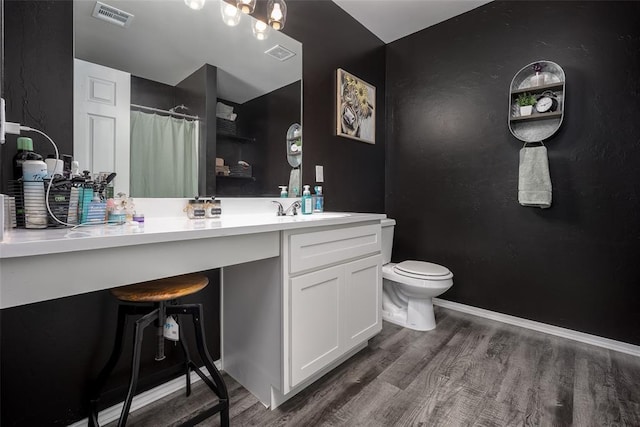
(422, 270)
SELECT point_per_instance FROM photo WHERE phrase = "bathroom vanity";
(299, 294)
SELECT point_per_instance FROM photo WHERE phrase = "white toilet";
(409, 286)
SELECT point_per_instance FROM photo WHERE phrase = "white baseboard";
(607, 343)
(113, 413)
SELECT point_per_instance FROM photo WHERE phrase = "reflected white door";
(102, 103)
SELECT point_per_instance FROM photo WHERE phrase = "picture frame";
(355, 108)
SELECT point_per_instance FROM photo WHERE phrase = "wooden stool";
(159, 292)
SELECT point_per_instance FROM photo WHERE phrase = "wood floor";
(468, 371)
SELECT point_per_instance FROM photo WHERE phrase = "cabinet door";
(362, 300)
(315, 321)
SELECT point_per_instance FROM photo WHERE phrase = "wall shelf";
(222, 135)
(249, 178)
(537, 116)
(539, 89)
(538, 126)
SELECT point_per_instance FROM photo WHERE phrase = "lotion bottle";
(307, 201)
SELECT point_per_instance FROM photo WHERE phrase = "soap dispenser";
(283, 191)
(307, 201)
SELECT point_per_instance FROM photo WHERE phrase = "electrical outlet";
(319, 173)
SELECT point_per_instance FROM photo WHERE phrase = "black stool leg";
(96, 388)
(217, 386)
(187, 361)
(141, 324)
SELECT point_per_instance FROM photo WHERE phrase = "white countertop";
(22, 242)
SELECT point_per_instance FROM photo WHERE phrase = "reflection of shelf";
(538, 116)
(538, 89)
(251, 178)
(222, 135)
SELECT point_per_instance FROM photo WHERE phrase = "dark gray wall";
(453, 165)
(50, 350)
(38, 79)
(267, 119)
(331, 39)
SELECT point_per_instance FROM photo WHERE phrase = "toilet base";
(416, 314)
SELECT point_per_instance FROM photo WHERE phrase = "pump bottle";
(318, 202)
(307, 201)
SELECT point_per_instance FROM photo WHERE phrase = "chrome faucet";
(293, 208)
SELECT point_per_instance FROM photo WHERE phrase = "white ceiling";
(167, 41)
(391, 20)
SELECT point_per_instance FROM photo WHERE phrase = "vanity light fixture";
(195, 4)
(230, 14)
(260, 30)
(246, 6)
(277, 13)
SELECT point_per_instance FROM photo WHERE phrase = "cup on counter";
(35, 209)
(54, 167)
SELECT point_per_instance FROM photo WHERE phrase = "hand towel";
(294, 183)
(534, 181)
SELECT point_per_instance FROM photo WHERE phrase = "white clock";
(547, 102)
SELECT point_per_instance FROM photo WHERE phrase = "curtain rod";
(157, 110)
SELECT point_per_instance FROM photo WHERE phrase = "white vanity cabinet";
(333, 278)
(323, 296)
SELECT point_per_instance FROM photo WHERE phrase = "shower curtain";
(164, 156)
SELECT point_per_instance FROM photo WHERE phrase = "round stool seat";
(162, 289)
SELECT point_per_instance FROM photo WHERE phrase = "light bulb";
(230, 14)
(246, 6)
(260, 30)
(195, 4)
(276, 14)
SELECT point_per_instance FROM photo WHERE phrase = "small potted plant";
(526, 101)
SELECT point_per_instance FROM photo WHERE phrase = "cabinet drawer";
(321, 248)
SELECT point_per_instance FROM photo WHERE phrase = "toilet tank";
(387, 239)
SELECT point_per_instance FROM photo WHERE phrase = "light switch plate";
(319, 173)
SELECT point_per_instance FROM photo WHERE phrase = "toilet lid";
(421, 268)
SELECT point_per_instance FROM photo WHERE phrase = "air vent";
(113, 15)
(280, 53)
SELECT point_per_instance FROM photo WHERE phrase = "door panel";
(362, 297)
(102, 103)
(315, 322)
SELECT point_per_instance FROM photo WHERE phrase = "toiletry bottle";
(283, 191)
(97, 211)
(25, 152)
(307, 201)
(318, 202)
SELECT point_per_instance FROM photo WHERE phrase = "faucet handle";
(295, 206)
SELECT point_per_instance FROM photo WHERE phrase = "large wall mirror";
(200, 90)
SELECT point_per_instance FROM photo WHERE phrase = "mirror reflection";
(199, 107)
